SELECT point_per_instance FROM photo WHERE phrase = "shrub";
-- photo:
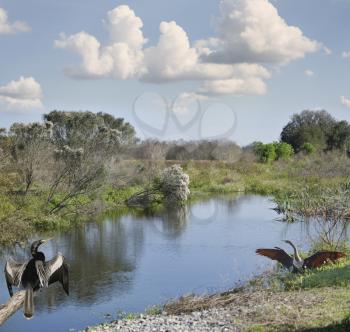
(265, 152)
(308, 148)
(174, 184)
(283, 150)
(171, 187)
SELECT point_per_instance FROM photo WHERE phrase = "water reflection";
(101, 256)
(170, 221)
(129, 262)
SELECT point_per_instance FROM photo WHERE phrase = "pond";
(128, 263)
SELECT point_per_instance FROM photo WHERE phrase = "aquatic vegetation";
(325, 209)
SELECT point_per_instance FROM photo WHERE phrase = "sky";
(185, 69)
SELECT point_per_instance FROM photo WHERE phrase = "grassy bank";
(277, 301)
(315, 301)
(21, 214)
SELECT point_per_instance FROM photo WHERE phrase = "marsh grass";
(280, 180)
(326, 210)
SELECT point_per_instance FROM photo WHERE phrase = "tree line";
(306, 133)
(72, 149)
(74, 164)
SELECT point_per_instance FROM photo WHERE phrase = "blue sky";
(292, 71)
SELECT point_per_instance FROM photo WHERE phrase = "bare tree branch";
(11, 306)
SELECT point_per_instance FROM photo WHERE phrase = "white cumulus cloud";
(345, 101)
(125, 27)
(251, 36)
(7, 27)
(121, 58)
(253, 31)
(25, 93)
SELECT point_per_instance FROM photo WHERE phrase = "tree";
(76, 129)
(150, 149)
(5, 148)
(180, 152)
(30, 149)
(204, 150)
(308, 127)
(85, 143)
(339, 138)
(74, 176)
(227, 150)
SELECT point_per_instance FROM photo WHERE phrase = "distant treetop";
(317, 128)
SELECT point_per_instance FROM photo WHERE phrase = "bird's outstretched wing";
(13, 274)
(62, 276)
(277, 254)
(322, 257)
(52, 271)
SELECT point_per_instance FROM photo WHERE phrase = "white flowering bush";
(174, 184)
(171, 186)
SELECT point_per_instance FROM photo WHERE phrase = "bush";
(174, 184)
(283, 150)
(265, 152)
(308, 148)
(273, 151)
(170, 187)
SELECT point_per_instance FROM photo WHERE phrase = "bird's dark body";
(30, 276)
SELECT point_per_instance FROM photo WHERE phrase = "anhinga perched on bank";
(296, 262)
(35, 274)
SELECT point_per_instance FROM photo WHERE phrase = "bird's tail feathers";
(28, 307)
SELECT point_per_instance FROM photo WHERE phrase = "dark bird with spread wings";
(35, 274)
(295, 262)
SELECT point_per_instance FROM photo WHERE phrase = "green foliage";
(76, 128)
(30, 149)
(6, 207)
(326, 210)
(283, 150)
(308, 148)
(118, 196)
(308, 127)
(268, 153)
(330, 275)
(316, 130)
(50, 223)
(339, 139)
(154, 310)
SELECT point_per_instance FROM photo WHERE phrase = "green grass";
(332, 275)
(328, 291)
(278, 179)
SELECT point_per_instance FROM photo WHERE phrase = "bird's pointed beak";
(46, 240)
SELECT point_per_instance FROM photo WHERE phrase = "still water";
(128, 263)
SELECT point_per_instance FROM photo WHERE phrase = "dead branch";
(11, 306)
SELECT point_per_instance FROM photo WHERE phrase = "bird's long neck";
(39, 256)
(296, 253)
